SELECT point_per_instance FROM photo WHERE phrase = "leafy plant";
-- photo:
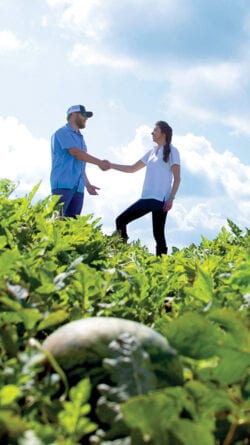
(55, 271)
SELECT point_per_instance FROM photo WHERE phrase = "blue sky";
(133, 62)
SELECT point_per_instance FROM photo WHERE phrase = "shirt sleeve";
(145, 158)
(174, 156)
(65, 139)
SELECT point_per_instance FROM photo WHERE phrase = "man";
(69, 156)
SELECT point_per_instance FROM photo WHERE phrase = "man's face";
(80, 120)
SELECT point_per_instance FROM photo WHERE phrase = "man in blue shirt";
(69, 156)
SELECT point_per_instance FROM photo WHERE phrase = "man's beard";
(80, 123)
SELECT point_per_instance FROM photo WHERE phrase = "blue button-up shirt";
(67, 171)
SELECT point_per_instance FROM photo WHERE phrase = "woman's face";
(157, 135)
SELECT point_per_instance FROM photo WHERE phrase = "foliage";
(53, 271)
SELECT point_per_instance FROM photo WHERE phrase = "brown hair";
(167, 130)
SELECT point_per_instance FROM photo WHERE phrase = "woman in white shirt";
(162, 180)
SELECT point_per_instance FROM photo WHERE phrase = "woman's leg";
(159, 220)
(135, 211)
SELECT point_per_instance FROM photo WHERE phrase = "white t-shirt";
(159, 176)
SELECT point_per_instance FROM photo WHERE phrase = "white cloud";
(136, 148)
(24, 158)
(239, 122)
(87, 16)
(102, 26)
(93, 17)
(9, 42)
(82, 18)
(244, 212)
(201, 159)
(44, 21)
(201, 216)
(91, 55)
(212, 93)
(214, 76)
(56, 3)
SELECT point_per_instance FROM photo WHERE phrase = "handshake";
(104, 165)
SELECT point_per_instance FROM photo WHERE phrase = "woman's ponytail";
(167, 130)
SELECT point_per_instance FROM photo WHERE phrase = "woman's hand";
(168, 205)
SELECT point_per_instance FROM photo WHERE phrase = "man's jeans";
(72, 201)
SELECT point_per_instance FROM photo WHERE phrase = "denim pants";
(141, 208)
(72, 201)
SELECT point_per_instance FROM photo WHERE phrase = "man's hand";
(104, 165)
(92, 189)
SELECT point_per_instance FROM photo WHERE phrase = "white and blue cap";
(79, 109)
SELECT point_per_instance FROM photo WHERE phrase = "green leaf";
(8, 394)
(206, 401)
(11, 304)
(8, 262)
(30, 317)
(233, 330)
(9, 339)
(192, 335)
(53, 319)
(190, 433)
(203, 287)
(153, 416)
(232, 367)
(46, 288)
(11, 425)
(72, 418)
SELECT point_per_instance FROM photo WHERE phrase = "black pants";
(141, 208)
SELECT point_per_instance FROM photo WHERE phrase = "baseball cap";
(79, 109)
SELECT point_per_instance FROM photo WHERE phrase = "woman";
(162, 180)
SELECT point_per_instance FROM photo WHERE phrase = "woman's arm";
(128, 168)
(176, 182)
(176, 169)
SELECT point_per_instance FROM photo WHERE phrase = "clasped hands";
(104, 165)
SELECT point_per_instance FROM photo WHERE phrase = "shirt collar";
(72, 129)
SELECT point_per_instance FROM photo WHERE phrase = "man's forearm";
(84, 156)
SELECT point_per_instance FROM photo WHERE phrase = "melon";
(85, 342)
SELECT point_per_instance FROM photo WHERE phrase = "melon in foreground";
(86, 342)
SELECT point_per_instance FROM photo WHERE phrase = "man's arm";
(92, 189)
(86, 157)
